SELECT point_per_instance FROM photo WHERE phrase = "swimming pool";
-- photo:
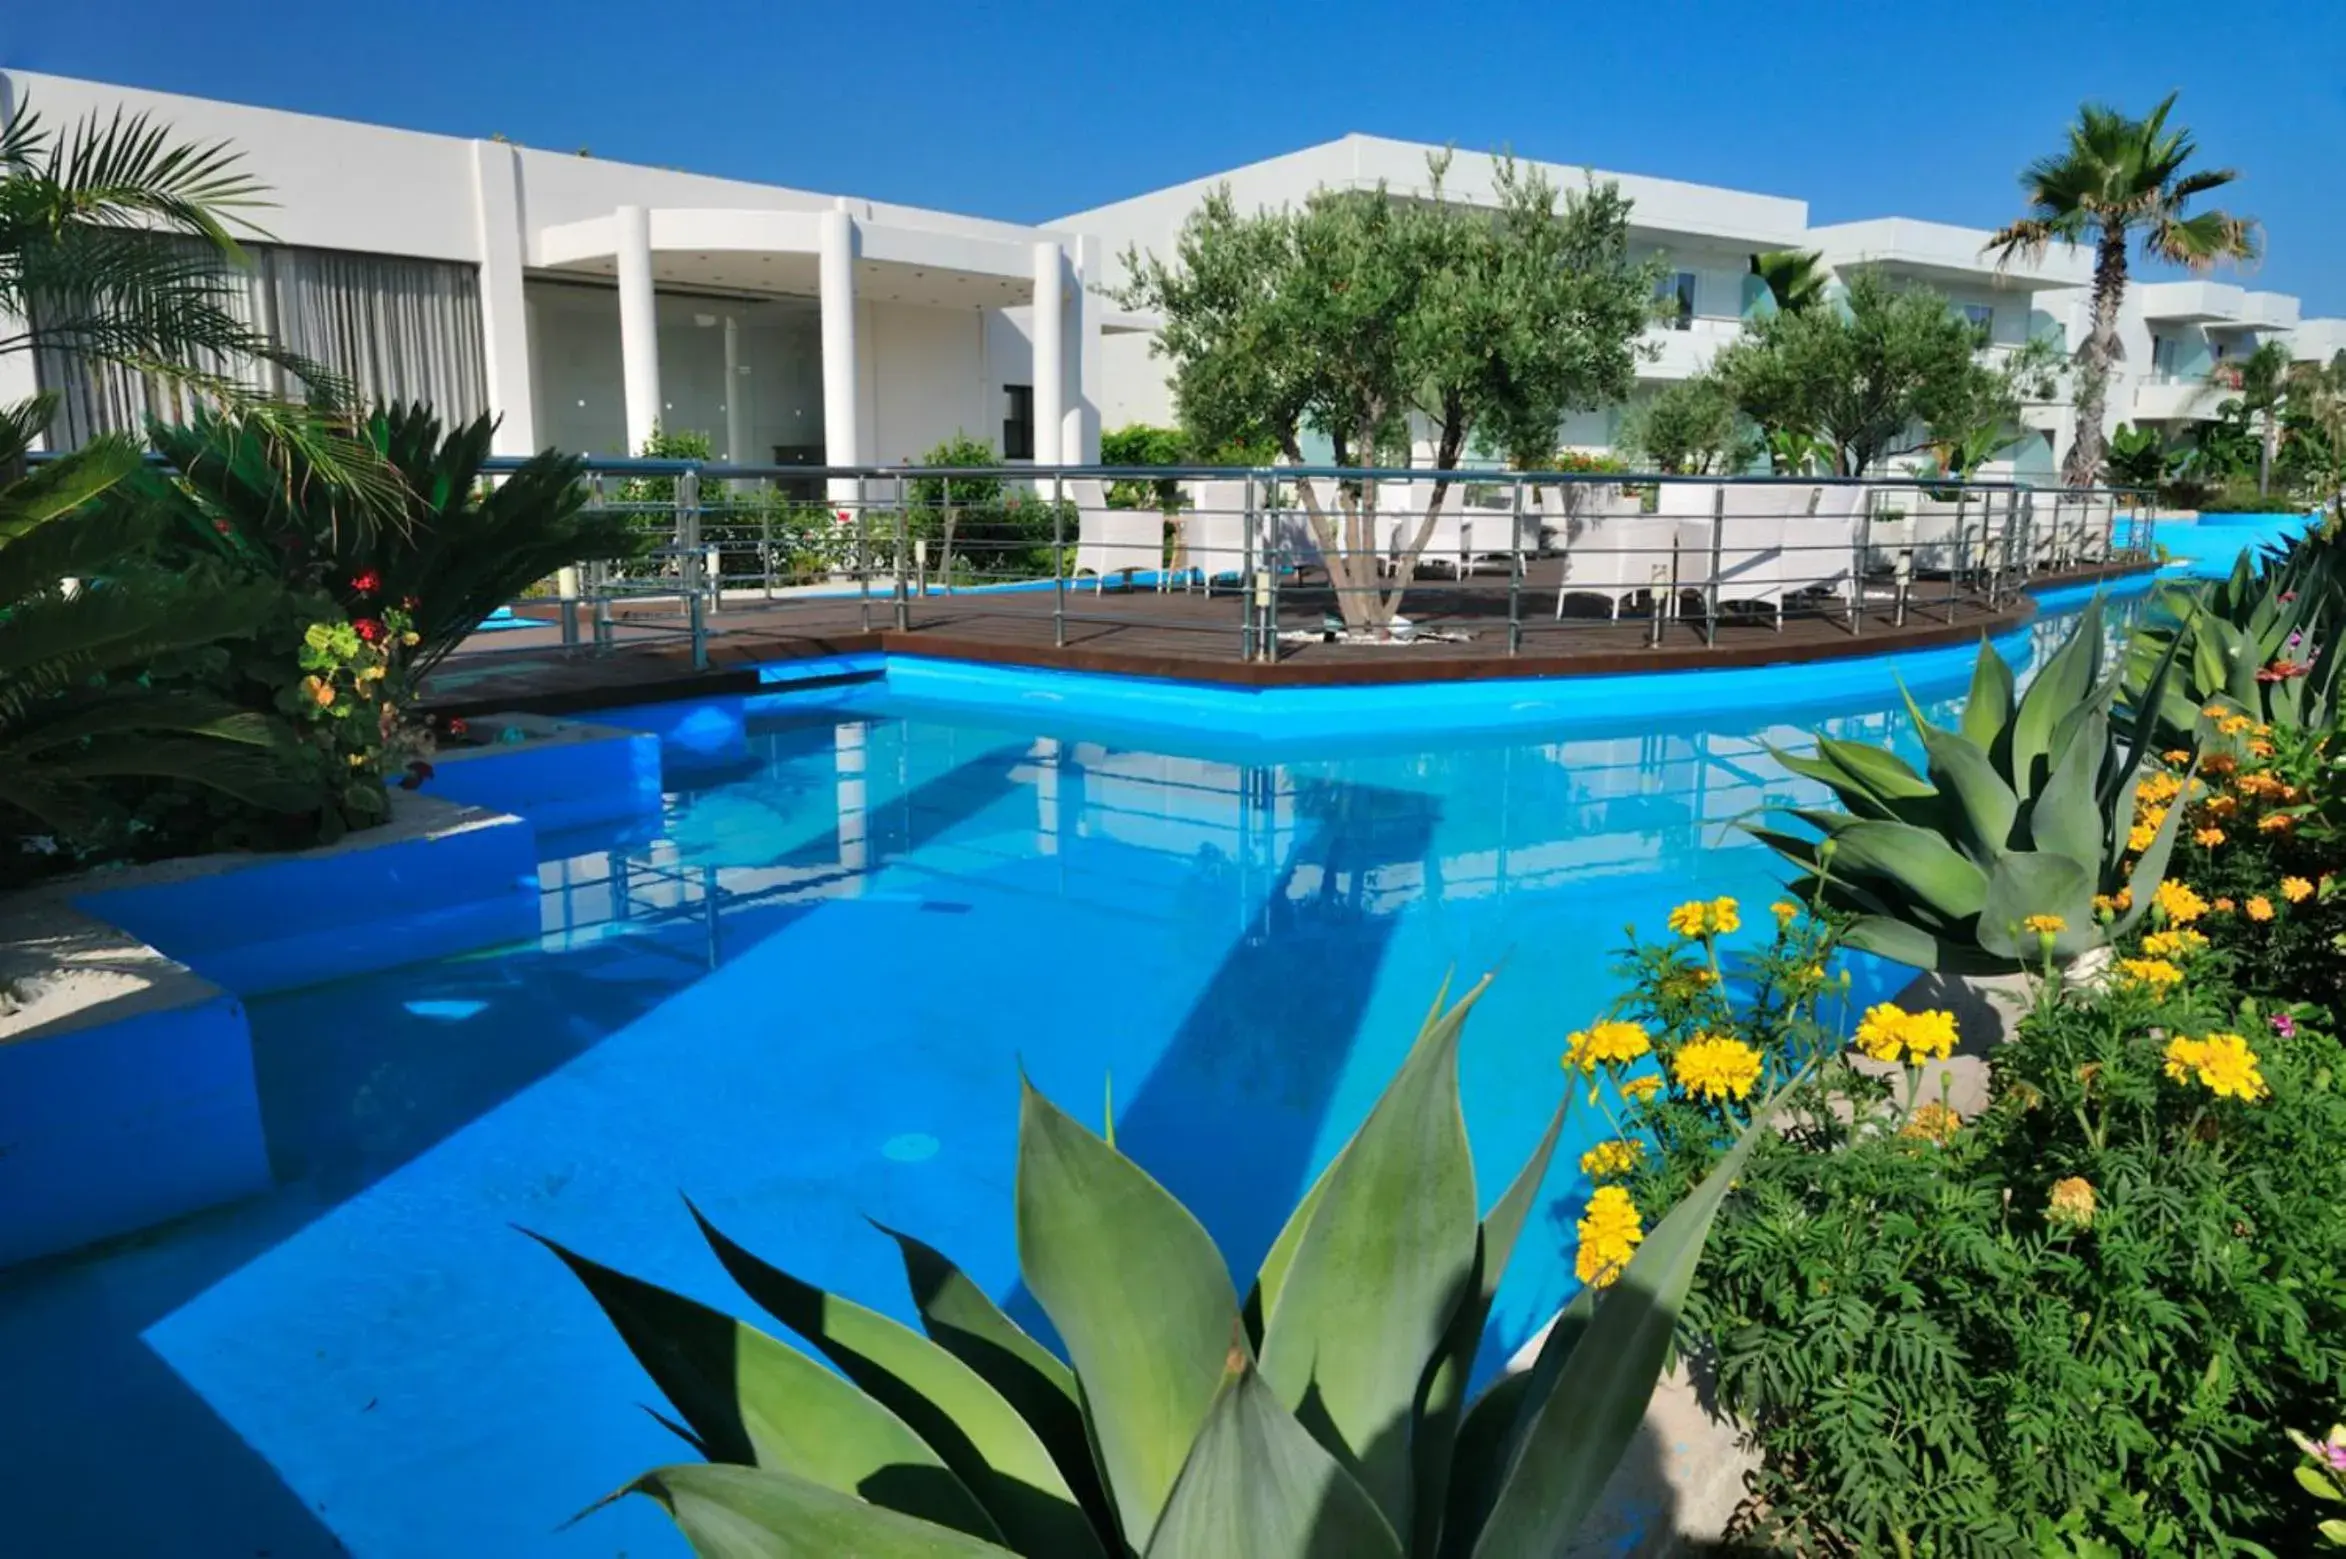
(804, 996)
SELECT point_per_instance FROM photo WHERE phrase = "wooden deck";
(1189, 636)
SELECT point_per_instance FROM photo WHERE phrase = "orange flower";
(2210, 837)
(2296, 889)
(2223, 906)
(2260, 908)
(2275, 823)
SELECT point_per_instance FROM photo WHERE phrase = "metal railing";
(1266, 559)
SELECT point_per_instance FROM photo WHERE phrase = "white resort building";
(589, 303)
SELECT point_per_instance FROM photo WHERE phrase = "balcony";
(2268, 311)
(2194, 303)
(2174, 398)
(1685, 353)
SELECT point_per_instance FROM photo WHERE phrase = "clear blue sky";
(1026, 112)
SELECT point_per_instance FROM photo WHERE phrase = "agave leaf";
(1443, 1393)
(1256, 1483)
(2068, 676)
(1921, 863)
(962, 1320)
(756, 1401)
(2211, 668)
(2066, 816)
(1380, 1270)
(2034, 882)
(2144, 719)
(1861, 799)
(1493, 1427)
(1271, 1276)
(1895, 940)
(1573, 1434)
(1138, 1293)
(973, 1430)
(1987, 712)
(755, 1513)
(1985, 809)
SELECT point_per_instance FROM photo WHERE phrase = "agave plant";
(84, 624)
(2022, 811)
(459, 547)
(1325, 1414)
(2265, 639)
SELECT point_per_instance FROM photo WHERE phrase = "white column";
(507, 360)
(19, 381)
(736, 400)
(1081, 443)
(1050, 353)
(639, 326)
(842, 404)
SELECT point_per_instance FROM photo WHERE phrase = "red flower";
(408, 603)
(366, 581)
(369, 630)
(223, 527)
(456, 727)
(2283, 669)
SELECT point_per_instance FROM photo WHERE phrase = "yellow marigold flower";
(1930, 1036)
(2178, 902)
(1785, 911)
(2233, 725)
(2260, 748)
(2071, 1203)
(2155, 788)
(2296, 889)
(1712, 1067)
(411, 638)
(1932, 1121)
(2117, 903)
(2210, 836)
(1690, 918)
(1611, 1158)
(1721, 916)
(2155, 974)
(1642, 1087)
(2176, 756)
(1881, 1033)
(2222, 906)
(2275, 823)
(1726, 916)
(1613, 1043)
(2215, 711)
(2045, 925)
(2259, 908)
(2263, 730)
(2141, 837)
(2221, 1063)
(2173, 944)
(1610, 1232)
(2222, 806)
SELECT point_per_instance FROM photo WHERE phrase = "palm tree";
(116, 244)
(1796, 277)
(2264, 376)
(2119, 179)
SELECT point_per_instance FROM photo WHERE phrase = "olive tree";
(1390, 323)
(1872, 376)
(1690, 428)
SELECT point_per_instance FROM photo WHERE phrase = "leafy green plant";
(91, 637)
(2017, 817)
(1326, 1414)
(2264, 639)
(460, 545)
(2322, 1473)
(2138, 457)
(2074, 1323)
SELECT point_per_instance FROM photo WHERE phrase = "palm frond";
(129, 171)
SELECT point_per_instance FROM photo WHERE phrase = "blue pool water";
(803, 995)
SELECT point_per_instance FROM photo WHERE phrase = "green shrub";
(2084, 1317)
(1325, 1416)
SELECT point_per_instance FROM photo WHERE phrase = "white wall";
(926, 381)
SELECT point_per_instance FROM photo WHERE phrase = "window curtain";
(395, 329)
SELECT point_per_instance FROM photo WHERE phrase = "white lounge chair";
(1113, 541)
(1618, 556)
(1214, 532)
(1828, 545)
(1752, 552)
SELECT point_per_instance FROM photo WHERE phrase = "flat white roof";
(1943, 252)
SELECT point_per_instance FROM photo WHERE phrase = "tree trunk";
(1351, 568)
(1447, 449)
(2264, 455)
(2084, 465)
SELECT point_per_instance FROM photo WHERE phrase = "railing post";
(570, 615)
(1276, 544)
(690, 563)
(903, 542)
(696, 614)
(1960, 575)
(1058, 566)
(1710, 626)
(766, 542)
(863, 555)
(1249, 585)
(1515, 574)
(1861, 549)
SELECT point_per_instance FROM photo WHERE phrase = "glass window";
(1983, 319)
(1018, 423)
(1675, 293)
(2163, 356)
